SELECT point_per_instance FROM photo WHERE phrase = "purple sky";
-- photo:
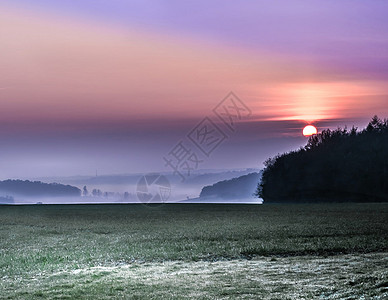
(115, 85)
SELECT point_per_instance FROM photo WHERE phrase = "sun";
(309, 130)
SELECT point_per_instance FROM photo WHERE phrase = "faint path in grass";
(353, 276)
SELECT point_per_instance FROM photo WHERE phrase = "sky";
(115, 86)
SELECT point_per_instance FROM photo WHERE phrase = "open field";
(182, 251)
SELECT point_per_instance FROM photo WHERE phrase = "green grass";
(59, 250)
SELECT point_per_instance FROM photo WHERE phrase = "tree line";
(335, 165)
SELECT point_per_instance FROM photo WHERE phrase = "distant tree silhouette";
(85, 191)
(335, 165)
(96, 193)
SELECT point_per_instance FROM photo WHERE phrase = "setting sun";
(309, 130)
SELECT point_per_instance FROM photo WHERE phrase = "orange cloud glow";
(66, 69)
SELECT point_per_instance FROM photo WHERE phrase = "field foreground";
(331, 251)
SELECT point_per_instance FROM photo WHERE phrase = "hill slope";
(37, 189)
(242, 187)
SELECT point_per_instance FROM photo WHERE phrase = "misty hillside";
(127, 183)
(199, 177)
(242, 187)
(335, 165)
(6, 200)
(36, 189)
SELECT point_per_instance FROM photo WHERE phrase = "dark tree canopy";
(335, 165)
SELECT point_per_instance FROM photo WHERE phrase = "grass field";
(332, 251)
